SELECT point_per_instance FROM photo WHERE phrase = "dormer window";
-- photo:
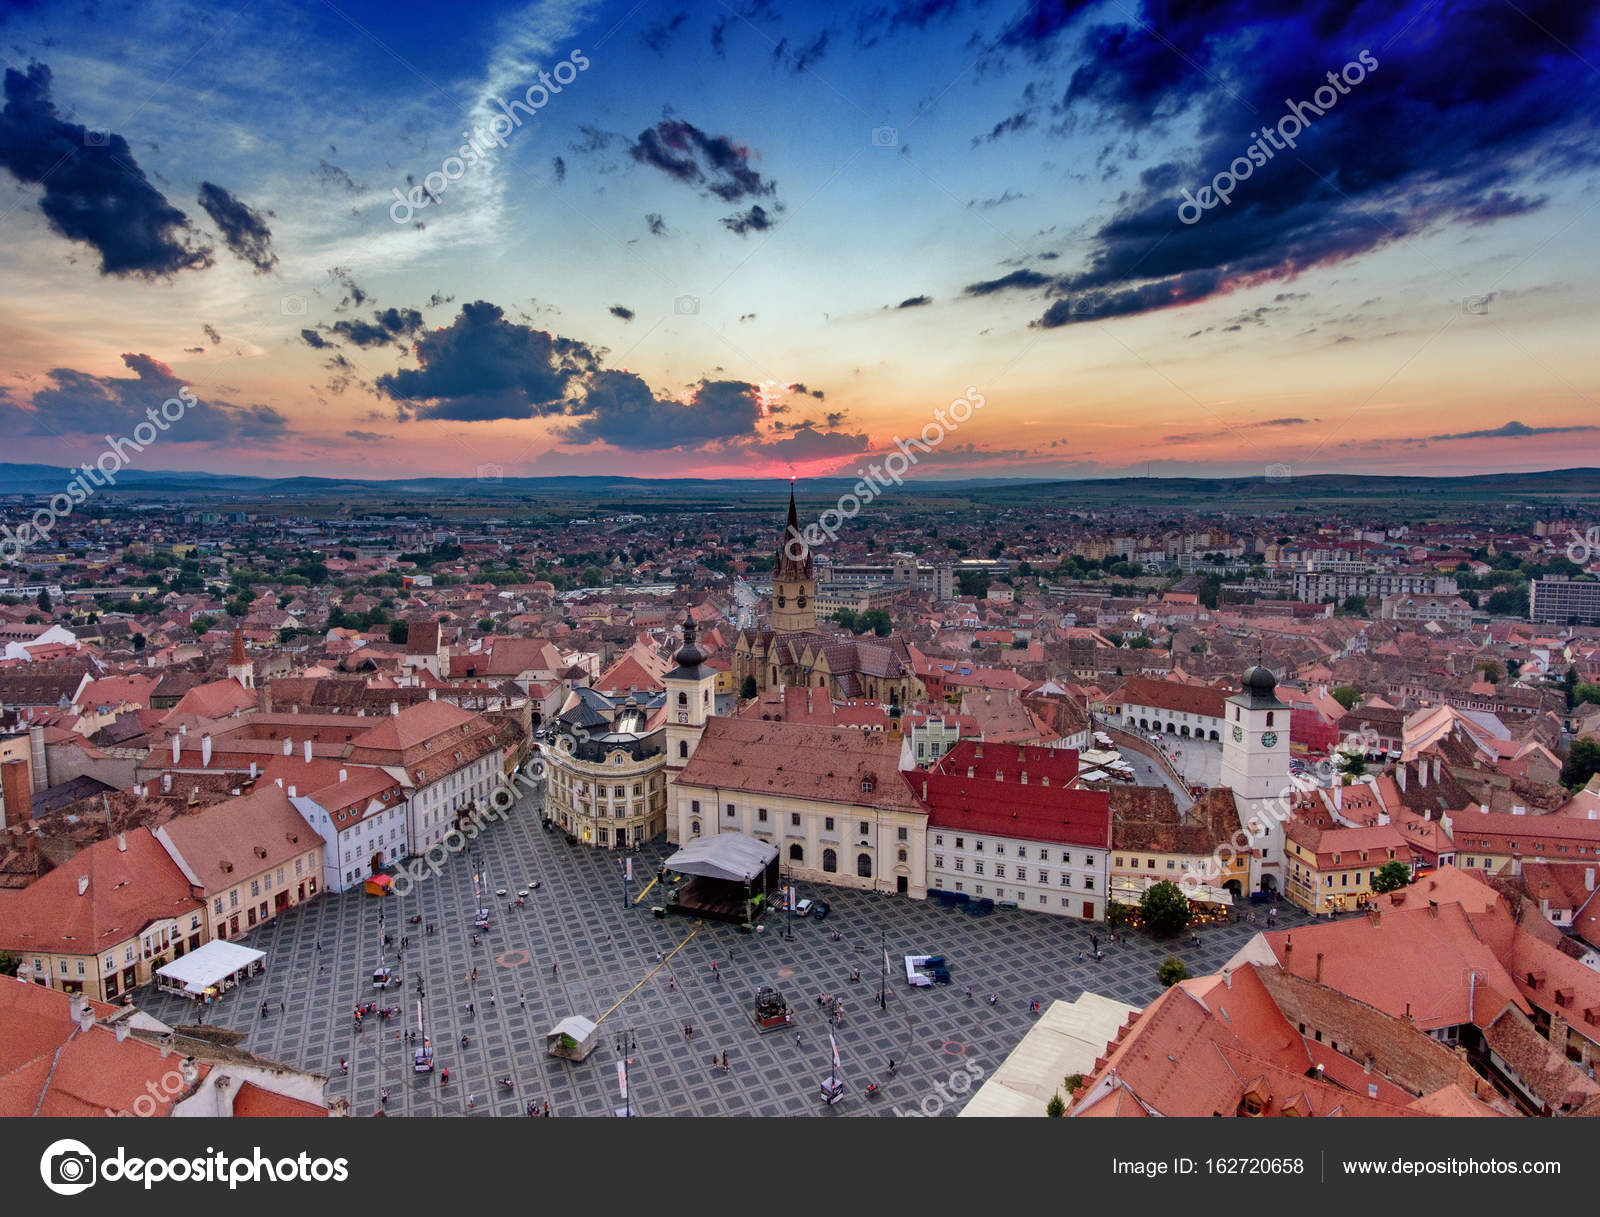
(868, 784)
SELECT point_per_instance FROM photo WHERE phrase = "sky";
(377, 239)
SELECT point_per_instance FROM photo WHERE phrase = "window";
(216, 906)
(794, 819)
(864, 866)
(865, 828)
(977, 868)
(961, 842)
(938, 861)
(827, 824)
(233, 899)
(797, 852)
(255, 887)
(1066, 879)
(1044, 876)
(1066, 859)
(978, 846)
(999, 870)
(960, 866)
(761, 814)
(1000, 849)
(694, 828)
(830, 861)
(1088, 883)
(683, 748)
(1022, 851)
(694, 808)
(1088, 859)
(938, 837)
(901, 834)
(731, 812)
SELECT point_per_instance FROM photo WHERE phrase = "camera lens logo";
(68, 1167)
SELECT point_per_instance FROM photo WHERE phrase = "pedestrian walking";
(522, 1002)
(555, 969)
(547, 1107)
(724, 1058)
(344, 1065)
(797, 1039)
(280, 1008)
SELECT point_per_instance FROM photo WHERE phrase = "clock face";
(1238, 733)
(1269, 740)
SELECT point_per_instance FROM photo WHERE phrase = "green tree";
(8, 964)
(397, 632)
(1164, 908)
(1118, 915)
(1056, 1106)
(878, 621)
(1509, 602)
(1491, 671)
(43, 601)
(200, 625)
(140, 642)
(1346, 695)
(1390, 876)
(1583, 762)
(748, 689)
(1171, 971)
(1355, 606)
(486, 624)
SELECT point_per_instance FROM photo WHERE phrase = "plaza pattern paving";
(578, 948)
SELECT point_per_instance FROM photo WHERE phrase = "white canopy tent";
(726, 855)
(213, 966)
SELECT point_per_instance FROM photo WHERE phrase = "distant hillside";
(1255, 494)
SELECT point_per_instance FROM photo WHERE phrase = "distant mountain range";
(1256, 492)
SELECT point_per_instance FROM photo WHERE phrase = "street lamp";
(626, 1045)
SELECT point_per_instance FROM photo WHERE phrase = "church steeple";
(794, 579)
(239, 666)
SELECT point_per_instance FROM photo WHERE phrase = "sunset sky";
(755, 238)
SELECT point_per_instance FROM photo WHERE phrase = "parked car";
(803, 909)
(819, 909)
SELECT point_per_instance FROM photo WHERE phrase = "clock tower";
(691, 699)
(794, 579)
(1255, 766)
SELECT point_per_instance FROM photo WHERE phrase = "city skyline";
(703, 249)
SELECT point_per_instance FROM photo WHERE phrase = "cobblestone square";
(582, 946)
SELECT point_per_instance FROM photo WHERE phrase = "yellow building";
(1333, 869)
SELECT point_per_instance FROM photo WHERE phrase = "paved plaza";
(576, 949)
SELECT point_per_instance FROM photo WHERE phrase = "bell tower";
(239, 666)
(691, 699)
(794, 579)
(1255, 766)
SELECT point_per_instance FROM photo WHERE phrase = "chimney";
(291, 792)
(308, 750)
(252, 771)
(1288, 954)
(122, 842)
(166, 783)
(205, 749)
(1338, 797)
(1422, 771)
(433, 694)
(1588, 878)
(1024, 777)
(394, 709)
(190, 1069)
(1319, 967)
(16, 788)
(85, 1014)
(1438, 762)
(122, 1030)
(83, 884)
(343, 775)
(1400, 776)
(177, 749)
(288, 746)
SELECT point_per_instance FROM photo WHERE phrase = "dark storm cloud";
(712, 164)
(1512, 430)
(620, 409)
(386, 325)
(806, 443)
(1443, 131)
(622, 312)
(657, 226)
(558, 166)
(755, 220)
(94, 191)
(243, 229)
(915, 302)
(313, 339)
(82, 403)
(484, 367)
(210, 332)
(354, 296)
(1016, 279)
